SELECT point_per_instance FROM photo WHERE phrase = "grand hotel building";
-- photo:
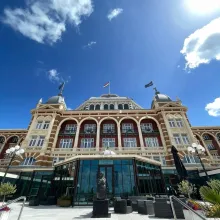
(57, 138)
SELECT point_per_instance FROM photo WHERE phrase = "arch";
(128, 117)
(91, 107)
(40, 118)
(177, 115)
(67, 119)
(48, 117)
(169, 116)
(97, 107)
(112, 107)
(11, 137)
(106, 107)
(107, 118)
(88, 118)
(207, 132)
(158, 125)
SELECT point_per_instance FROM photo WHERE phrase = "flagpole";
(109, 88)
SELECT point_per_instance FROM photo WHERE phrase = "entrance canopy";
(109, 157)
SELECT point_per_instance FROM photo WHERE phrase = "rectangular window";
(108, 142)
(39, 124)
(127, 127)
(210, 146)
(33, 141)
(151, 142)
(28, 161)
(108, 128)
(164, 161)
(172, 123)
(40, 141)
(179, 123)
(185, 138)
(177, 138)
(90, 128)
(146, 127)
(70, 127)
(46, 125)
(130, 142)
(66, 143)
(87, 142)
(190, 159)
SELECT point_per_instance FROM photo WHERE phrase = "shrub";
(186, 188)
(7, 189)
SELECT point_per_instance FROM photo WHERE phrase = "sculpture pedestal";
(100, 209)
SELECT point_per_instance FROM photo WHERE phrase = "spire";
(40, 101)
(156, 91)
(61, 87)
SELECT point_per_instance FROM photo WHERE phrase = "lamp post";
(198, 149)
(12, 152)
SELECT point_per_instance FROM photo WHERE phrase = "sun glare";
(203, 6)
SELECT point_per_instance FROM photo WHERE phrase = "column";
(98, 137)
(77, 136)
(119, 137)
(140, 136)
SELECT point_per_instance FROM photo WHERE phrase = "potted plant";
(6, 189)
(211, 196)
(186, 188)
(64, 201)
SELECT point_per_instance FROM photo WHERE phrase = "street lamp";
(198, 149)
(11, 153)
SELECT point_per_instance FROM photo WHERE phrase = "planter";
(190, 215)
(63, 202)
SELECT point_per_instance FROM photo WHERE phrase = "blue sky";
(137, 42)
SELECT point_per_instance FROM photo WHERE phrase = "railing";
(13, 201)
(149, 131)
(63, 149)
(33, 148)
(4, 162)
(184, 205)
(91, 132)
(66, 132)
(129, 132)
(108, 132)
(86, 149)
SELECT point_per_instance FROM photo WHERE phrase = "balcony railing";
(129, 132)
(88, 132)
(216, 157)
(4, 162)
(63, 149)
(149, 131)
(67, 132)
(82, 149)
(33, 148)
(108, 132)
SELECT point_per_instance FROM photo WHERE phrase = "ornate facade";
(109, 121)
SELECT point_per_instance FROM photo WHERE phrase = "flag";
(149, 84)
(107, 84)
(61, 85)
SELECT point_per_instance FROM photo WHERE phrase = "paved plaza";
(58, 213)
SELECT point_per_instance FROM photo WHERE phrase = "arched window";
(112, 106)
(91, 107)
(120, 106)
(105, 107)
(126, 106)
(97, 107)
(2, 140)
(28, 161)
(218, 137)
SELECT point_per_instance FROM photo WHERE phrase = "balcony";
(88, 132)
(4, 162)
(108, 132)
(33, 148)
(63, 150)
(149, 131)
(129, 132)
(67, 133)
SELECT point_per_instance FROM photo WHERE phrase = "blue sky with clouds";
(89, 42)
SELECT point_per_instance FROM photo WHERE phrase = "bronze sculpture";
(101, 186)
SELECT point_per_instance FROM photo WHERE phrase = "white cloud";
(45, 20)
(90, 44)
(213, 108)
(114, 13)
(203, 45)
(54, 75)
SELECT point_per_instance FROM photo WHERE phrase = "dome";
(55, 100)
(162, 98)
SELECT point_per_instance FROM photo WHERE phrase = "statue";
(101, 186)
